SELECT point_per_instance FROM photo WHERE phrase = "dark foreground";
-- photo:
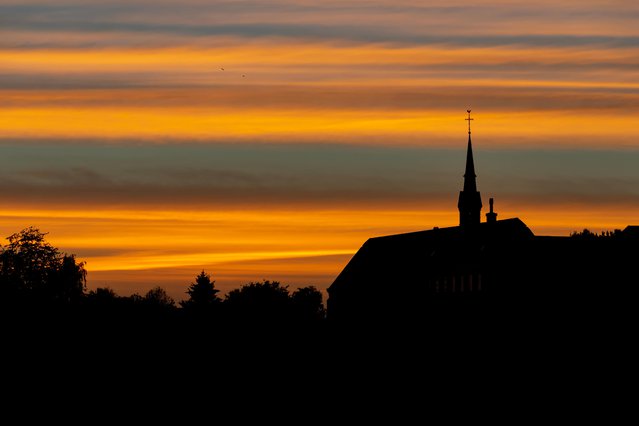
(183, 368)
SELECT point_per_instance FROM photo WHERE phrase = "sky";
(269, 139)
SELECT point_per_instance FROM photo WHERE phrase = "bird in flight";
(222, 69)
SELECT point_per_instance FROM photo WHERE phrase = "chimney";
(491, 216)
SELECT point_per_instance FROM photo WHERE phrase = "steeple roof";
(470, 183)
(469, 175)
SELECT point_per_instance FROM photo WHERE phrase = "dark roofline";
(450, 229)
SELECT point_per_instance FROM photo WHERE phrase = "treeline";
(587, 234)
(36, 277)
(253, 302)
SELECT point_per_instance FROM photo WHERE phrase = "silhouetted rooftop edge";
(500, 228)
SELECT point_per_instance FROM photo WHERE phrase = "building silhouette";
(486, 270)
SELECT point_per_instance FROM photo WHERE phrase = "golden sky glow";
(268, 91)
(144, 248)
(412, 127)
(270, 139)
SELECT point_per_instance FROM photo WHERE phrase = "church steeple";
(469, 204)
(470, 182)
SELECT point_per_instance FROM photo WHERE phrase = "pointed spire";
(470, 183)
(469, 203)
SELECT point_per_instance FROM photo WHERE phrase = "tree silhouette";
(157, 297)
(102, 297)
(103, 305)
(69, 283)
(267, 300)
(202, 293)
(307, 304)
(587, 234)
(32, 268)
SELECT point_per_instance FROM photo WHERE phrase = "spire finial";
(469, 120)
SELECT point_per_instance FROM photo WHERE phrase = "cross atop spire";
(469, 120)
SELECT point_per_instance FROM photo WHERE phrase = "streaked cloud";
(481, 23)
(321, 176)
(278, 92)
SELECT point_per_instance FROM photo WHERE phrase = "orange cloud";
(293, 92)
(426, 127)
